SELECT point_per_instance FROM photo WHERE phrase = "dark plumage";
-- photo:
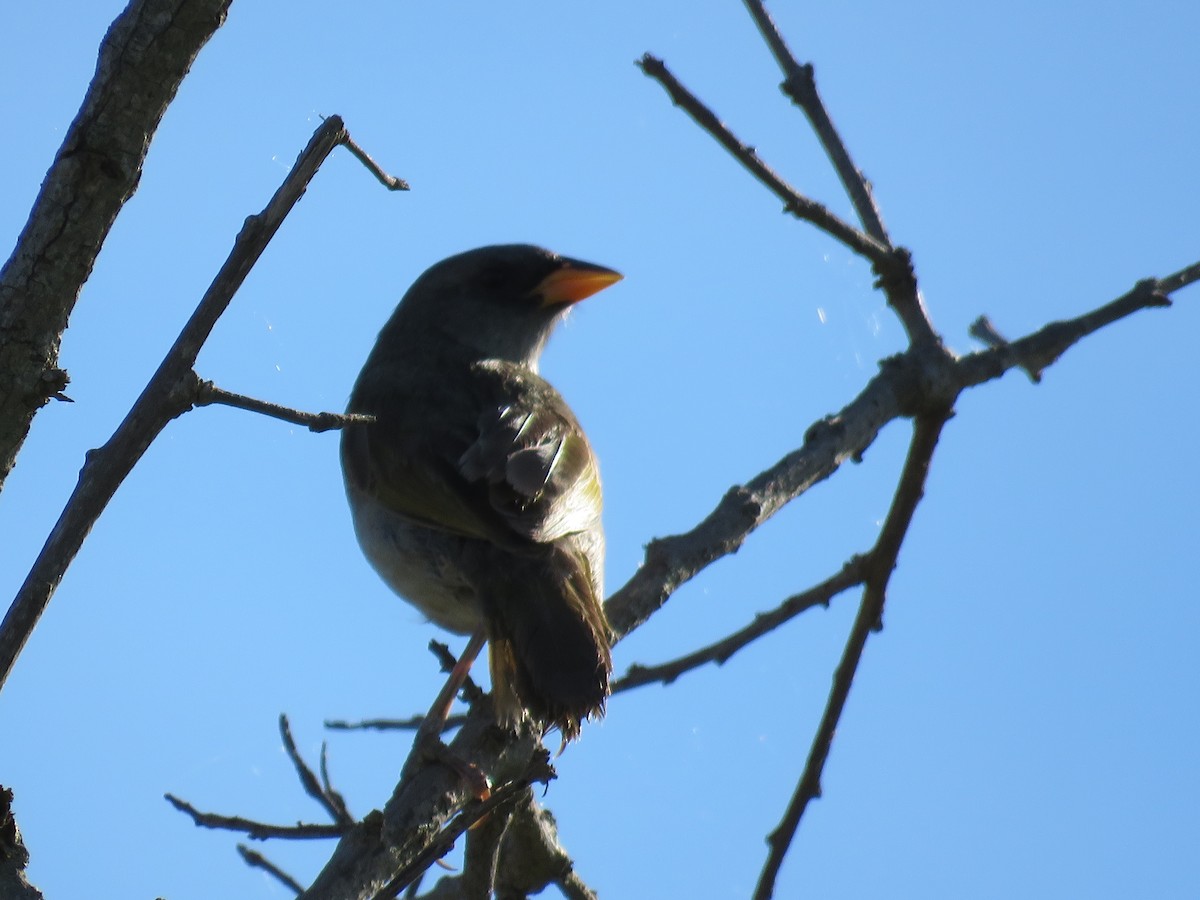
(475, 493)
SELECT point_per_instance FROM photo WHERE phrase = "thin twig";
(985, 332)
(880, 563)
(892, 264)
(391, 182)
(1037, 351)
(335, 797)
(794, 202)
(800, 85)
(412, 723)
(719, 652)
(256, 860)
(169, 393)
(308, 778)
(208, 394)
(259, 831)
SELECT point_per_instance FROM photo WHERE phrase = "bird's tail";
(549, 641)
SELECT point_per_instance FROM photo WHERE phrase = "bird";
(475, 493)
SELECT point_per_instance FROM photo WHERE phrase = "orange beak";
(573, 282)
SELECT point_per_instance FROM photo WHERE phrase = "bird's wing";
(522, 471)
(531, 457)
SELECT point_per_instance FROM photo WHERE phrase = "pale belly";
(419, 564)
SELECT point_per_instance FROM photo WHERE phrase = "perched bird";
(475, 493)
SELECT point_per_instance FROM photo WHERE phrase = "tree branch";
(879, 564)
(537, 770)
(412, 723)
(801, 86)
(172, 390)
(14, 858)
(892, 264)
(920, 379)
(331, 801)
(481, 857)
(256, 860)
(794, 202)
(259, 831)
(428, 797)
(720, 652)
(208, 394)
(1037, 351)
(147, 52)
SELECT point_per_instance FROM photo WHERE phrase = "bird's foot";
(431, 747)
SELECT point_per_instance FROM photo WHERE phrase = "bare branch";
(537, 770)
(800, 85)
(412, 723)
(482, 855)
(208, 394)
(794, 202)
(259, 831)
(256, 860)
(1181, 279)
(145, 55)
(893, 265)
(921, 379)
(879, 563)
(330, 800)
(335, 797)
(14, 857)
(850, 575)
(532, 857)
(171, 391)
(1037, 351)
(391, 182)
(898, 390)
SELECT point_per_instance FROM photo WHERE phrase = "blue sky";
(1024, 725)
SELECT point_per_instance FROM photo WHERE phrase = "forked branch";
(879, 564)
(172, 390)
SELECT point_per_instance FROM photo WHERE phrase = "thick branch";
(672, 561)
(497, 805)
(171, 391)
(426, 800)
(14, 858)
(919, 380)
(144, 57)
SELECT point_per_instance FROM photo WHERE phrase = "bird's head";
(498, 302)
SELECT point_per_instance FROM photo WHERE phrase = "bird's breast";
(420, 564)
